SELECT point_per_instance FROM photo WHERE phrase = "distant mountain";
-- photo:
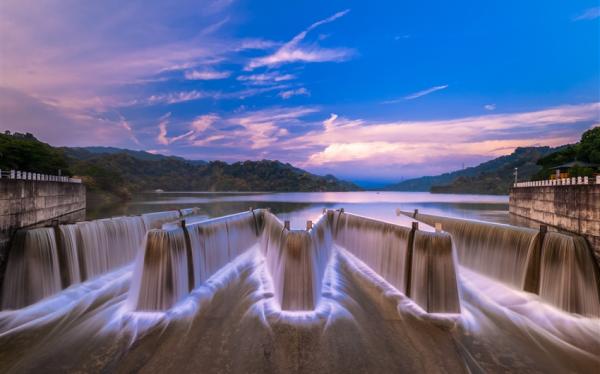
(170, 174)
(83, 153)
(121, 172)
(491, 177)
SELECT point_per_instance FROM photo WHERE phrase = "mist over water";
(244, 294)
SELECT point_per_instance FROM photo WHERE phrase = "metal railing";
(574, 181)
(27, 175)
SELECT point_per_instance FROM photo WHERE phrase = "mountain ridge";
(116, 172)
(496, 176)
(492, 177)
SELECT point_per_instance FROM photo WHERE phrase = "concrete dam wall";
(572, 208)
(31, 203)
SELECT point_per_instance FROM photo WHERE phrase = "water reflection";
(297, 207)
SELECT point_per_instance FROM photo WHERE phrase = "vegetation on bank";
(114, 172)
(25, 152)
(587, 151)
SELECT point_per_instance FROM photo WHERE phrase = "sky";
(373, 92)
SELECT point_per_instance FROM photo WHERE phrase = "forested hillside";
(121, 172)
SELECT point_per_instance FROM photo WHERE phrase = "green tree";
(589, 146)
(29, 154)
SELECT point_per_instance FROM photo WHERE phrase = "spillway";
(43, 261)
(419, 263)
(558, 267)
(33, 271)
(296, 259)
(246, 293)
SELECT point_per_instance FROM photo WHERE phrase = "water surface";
(301, 206)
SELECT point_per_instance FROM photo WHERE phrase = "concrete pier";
(571, 208)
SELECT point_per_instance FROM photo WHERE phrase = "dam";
(32, 200)
(570, 204)
(247, 292)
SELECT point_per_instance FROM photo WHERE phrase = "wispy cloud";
(490, 107)
(204, 122)
(266, 78)
(297, 92)
(177, 97)
(206, 74)
(162, 137)
(416, 94)
(292, 51)
(591, 13)
(258, 44)
(127, 126)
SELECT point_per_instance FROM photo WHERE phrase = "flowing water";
(560, 268)
(244, 293)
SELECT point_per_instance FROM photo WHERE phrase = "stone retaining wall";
(574, 209)
(31, 203)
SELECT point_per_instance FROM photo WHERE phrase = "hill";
(491, 177)
(121, 172)
(25, 152)
(84, 153)
(174, 175)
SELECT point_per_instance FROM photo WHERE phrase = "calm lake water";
(301, 206)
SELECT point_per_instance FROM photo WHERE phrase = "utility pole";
(516, 175)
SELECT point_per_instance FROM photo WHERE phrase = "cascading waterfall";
(33, 271)
(433, 276)
(46, 260)
(353, 321)
(418, 263)
(70, 264)
(568, 278)
(498, 251)
(164, 279)
(558, 267)
(295, 259)
(296, 272)
(175, 259)
(381, 246)
(105, 244)
(216, 242)
(322, 245)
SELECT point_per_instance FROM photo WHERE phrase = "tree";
(589, 147)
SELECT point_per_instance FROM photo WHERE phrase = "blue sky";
(368, 91)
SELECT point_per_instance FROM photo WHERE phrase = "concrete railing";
(575, 181)
(27, 175)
